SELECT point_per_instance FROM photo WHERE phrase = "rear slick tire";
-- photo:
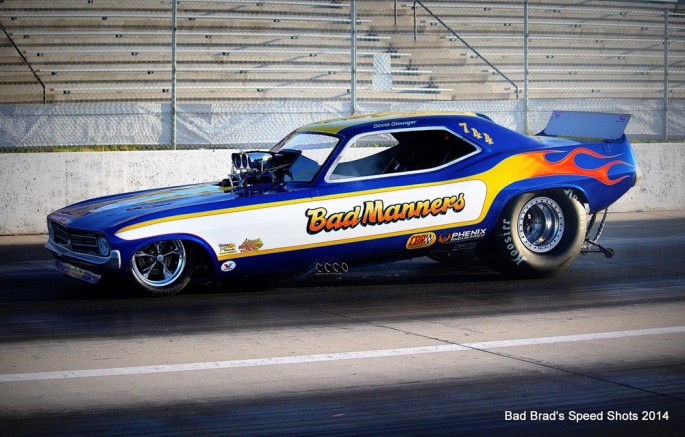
(537, 235)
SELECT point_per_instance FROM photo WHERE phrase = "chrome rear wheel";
(536, 235)
(541, 224)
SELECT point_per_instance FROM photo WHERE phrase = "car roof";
(333, 126)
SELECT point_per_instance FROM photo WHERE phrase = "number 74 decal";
(475, 134)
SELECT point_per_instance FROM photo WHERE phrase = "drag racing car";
(340, 193)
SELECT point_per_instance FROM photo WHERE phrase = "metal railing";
(26, 61)
(192, 79)
(467, 45)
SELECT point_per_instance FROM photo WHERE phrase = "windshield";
(315, 148)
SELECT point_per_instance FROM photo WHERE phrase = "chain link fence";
(158, 74)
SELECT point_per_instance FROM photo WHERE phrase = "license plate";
(77, 272)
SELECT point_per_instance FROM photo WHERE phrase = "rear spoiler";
(579, 124)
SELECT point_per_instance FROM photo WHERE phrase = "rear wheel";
(537, 235)
(162, 268)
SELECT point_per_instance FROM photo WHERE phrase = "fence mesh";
(232, 73)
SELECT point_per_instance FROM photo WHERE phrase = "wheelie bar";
(591, 245)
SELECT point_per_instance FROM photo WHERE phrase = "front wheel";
(162, 268)
(537, 235)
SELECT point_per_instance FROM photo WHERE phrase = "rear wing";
(579, 124)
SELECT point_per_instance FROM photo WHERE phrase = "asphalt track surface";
(408, 348)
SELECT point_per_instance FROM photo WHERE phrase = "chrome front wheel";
(162, 267)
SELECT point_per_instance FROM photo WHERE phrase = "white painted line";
(340, 356)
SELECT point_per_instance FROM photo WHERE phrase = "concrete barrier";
(34, 184)
(660, 186)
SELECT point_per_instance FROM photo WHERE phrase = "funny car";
(339, 193)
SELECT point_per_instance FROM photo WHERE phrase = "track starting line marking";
(340, 356)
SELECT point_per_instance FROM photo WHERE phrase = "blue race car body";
(364, 189)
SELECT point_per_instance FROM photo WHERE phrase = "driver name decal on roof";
(395, 124)
(374, 212)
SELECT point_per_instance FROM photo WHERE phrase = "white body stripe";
(284, 227)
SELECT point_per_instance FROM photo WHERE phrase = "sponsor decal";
(225, 249)
(375, 212)
(228, 266)
(419, 241)
(462, 236)
(251, 245)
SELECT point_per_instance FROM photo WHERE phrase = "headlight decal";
(103, 246)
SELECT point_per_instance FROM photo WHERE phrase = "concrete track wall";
(34, 184)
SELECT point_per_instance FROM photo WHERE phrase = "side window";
(399, 152)
(368, 156)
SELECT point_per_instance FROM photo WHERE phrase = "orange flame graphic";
(538, 164)
(568, 166)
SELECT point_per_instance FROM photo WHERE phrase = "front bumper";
(88, 268)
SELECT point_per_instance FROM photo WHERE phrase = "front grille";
(61, 234)
(75, 240)
(84, 243)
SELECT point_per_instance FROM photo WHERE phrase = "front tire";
(537, 235)
(162, 268)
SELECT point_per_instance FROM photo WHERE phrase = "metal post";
(467, 45)
(414, 11)
(525, 67)
(173, 74)
(666, 103)
(353, 57)
(395, 6)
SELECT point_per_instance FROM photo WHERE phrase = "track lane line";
(336, 356)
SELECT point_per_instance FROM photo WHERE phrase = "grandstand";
(104, 50)
(243, 52)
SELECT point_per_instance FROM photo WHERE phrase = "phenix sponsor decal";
(462, 236)
(375, 212)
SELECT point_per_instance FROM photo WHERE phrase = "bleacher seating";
(238, 50)
(575, 49)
